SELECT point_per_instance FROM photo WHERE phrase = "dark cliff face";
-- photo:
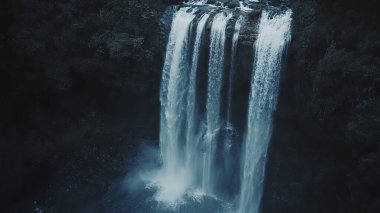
(79, 93)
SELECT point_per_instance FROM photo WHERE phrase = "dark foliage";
(327, 123)
(79, 89)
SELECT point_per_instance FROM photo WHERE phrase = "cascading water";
(235, 39)
(173, 182)
(273, 36)
(193, 137)
(196, 101)
(215, 76)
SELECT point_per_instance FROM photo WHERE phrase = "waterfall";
(173, 92)
(226, 174)
(235, 39)
(273, 36)
(192, 135)
(215, 74)
(196, 98)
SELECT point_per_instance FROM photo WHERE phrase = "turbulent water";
(197, 109)
(274, 34)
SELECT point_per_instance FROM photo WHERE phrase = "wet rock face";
(231, 3)
(227, 3)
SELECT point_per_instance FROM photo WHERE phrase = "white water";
(193, 135)
(173, 179)
(197, 2)
(242, 6)
(273, 36)
(235, 40)
(190, 141)
(213, 118)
